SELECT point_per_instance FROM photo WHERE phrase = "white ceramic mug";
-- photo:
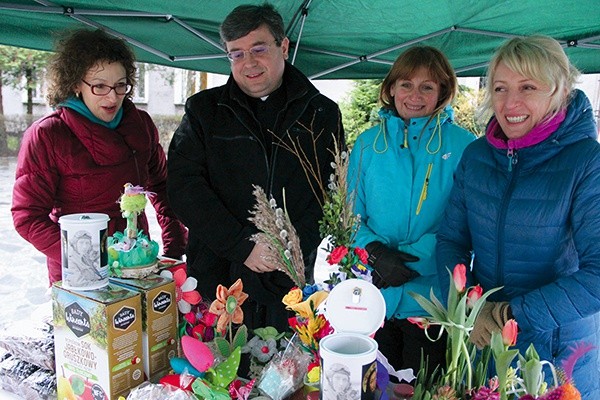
(348, 367)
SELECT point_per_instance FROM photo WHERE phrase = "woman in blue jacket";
(525, 204)
(401, 174)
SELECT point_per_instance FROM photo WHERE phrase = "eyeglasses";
(102, 89)
(256, 51)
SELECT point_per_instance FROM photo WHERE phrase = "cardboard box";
(98, 342)
(171, 264)
(159, 322)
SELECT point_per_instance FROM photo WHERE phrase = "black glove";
(389, 265)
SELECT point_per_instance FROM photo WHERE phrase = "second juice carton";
(159, 322)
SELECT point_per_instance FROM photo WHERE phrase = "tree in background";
(359, 113)
(465, 109)
(22, 69)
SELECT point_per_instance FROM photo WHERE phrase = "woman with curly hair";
(79, 157)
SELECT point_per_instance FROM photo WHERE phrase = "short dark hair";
(249, 17)
(78, 51)
(434, 61)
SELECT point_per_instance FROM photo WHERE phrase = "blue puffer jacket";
(404, 175)
(535, 230)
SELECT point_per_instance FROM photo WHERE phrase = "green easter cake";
(131, 253)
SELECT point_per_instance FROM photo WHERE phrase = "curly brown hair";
(78, 51)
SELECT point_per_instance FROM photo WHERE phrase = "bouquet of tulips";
(465, 375)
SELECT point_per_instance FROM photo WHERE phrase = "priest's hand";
(259, 261)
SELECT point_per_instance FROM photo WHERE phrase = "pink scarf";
(539, 133)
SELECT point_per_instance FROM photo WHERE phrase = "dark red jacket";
(68, 164)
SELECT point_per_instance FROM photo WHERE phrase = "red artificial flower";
(209, 319)
(190, 317)
(315, 363)
(362, 254)
(293, 322)
(325, 330)
(337, 255)
(459, 276)
(185, 293)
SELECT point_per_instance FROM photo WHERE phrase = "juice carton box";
(98, 342)
(159, 322)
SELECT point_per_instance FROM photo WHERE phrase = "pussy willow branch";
(278, 235)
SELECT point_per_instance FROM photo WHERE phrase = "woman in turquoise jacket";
(401, 172)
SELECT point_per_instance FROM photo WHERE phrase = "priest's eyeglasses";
(102, 89)
(256, 51)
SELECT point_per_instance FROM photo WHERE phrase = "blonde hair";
(537, 57)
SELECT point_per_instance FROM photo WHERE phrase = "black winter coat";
(215, 157)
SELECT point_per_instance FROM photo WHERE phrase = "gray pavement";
(23, 273)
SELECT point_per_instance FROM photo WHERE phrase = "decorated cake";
(131, 253)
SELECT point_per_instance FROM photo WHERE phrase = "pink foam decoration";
(197, 353)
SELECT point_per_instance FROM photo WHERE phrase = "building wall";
(164, 93)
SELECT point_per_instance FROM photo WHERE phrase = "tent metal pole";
(197, 33)
(485, 33)
(71, 13)
(36, 9)
(471, 67)
(304, 16)
(368, 57)
(134, 42)
(193, 58)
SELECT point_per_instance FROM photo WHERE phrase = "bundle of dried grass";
(279, 236)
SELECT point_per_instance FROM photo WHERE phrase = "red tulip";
(509, 333)
(474, 295)
(460, 277)
(422, 323)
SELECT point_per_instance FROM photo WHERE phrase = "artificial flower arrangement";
(465, 375)
(339, 225)
(212, 341)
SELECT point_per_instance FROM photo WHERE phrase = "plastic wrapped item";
(284, 374)
(31, 341)
(13, 371)
(4, 354)
(152, 391)
(41, 385)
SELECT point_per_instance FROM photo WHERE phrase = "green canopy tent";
(331, 39)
